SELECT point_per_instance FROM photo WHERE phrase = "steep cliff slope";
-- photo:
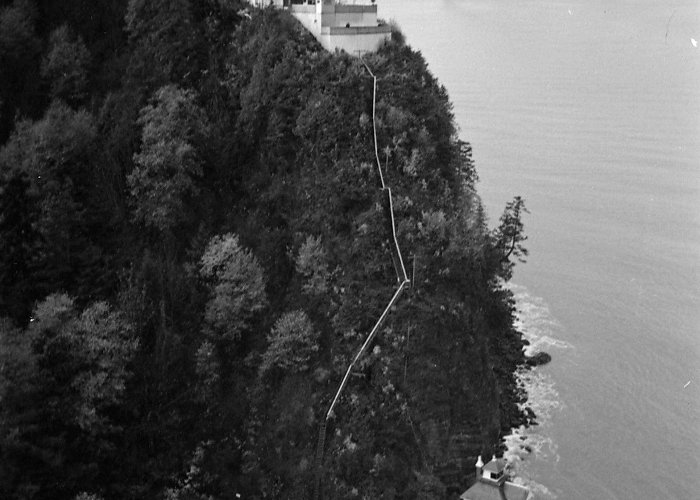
(437, 388)
(203, 244)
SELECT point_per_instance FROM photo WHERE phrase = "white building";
(349, 25)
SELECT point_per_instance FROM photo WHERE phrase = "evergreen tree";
(66, 65)
(19, 242)
(168, 166)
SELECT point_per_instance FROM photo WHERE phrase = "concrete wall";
(308, 20)
(303, 9)
(355, 40)
(354, 19)
(341, 14)
(327, 21)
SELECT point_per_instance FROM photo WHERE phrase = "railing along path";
(401, 277)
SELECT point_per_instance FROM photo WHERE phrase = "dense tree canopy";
(194, 243)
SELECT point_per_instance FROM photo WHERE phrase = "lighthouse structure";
(351, 25)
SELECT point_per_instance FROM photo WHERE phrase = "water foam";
(541, 329)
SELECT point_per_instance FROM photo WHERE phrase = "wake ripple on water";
(540, 328)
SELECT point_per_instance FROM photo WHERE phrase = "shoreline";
(529, 442)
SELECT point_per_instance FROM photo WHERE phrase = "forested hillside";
(194, 244)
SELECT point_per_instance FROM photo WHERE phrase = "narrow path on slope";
(401, 278)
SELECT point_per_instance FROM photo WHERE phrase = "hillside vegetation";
(194, 244)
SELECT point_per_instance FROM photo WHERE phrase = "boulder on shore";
(537, 359)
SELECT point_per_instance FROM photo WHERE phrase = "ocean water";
(590, 109)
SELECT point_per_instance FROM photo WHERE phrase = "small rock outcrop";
(537, 359)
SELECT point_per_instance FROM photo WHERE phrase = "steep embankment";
(204, 243)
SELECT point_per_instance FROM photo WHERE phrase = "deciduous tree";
(312, 263)
(291, 344)
(237, 286)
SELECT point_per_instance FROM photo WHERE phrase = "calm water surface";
(591, 111)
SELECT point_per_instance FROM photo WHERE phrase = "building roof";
(515, 492)
(482, 490)
(495, 465)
